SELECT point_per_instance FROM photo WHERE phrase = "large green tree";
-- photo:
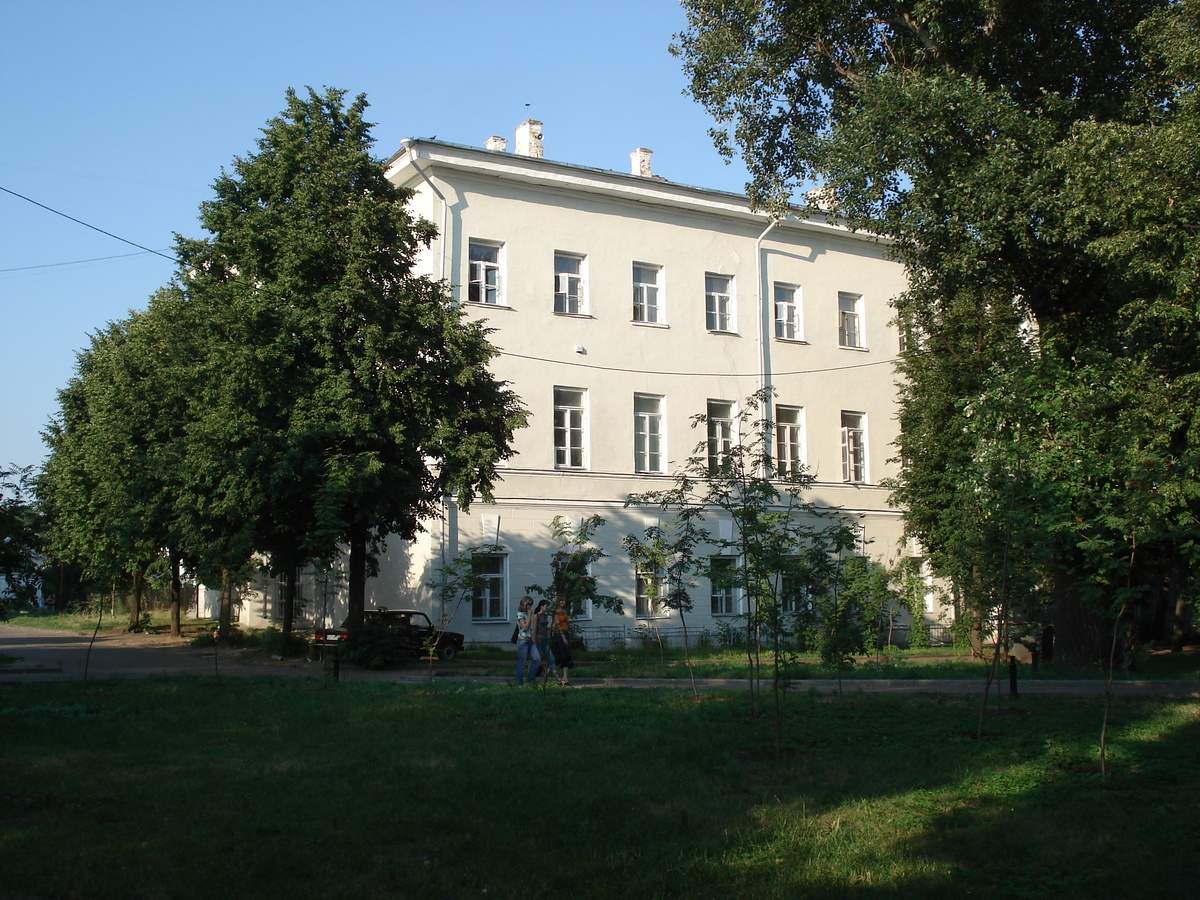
(20, 540)
(1034, 165)
(109, 486)
(344, 395)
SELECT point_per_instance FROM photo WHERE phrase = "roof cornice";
(432, 156)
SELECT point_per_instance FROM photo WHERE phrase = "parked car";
(411, 629)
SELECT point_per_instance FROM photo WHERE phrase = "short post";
(1012, 675)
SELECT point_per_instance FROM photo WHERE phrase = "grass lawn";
(941, 662)
(182, 788)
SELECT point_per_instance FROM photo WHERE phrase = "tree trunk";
(1078, 632)
(225, 618)
(289, 606)
(176, 595)
(135, 605)
(1180, 625)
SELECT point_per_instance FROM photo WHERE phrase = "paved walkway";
(48, 655)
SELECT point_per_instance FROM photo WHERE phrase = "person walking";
(562, 638)
(527, 653)
(541, 640)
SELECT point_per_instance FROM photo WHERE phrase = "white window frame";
(720, 313)
(788, 306)
(648, 294)
(792, 603)
(485, 284)
(649, 439)
(854, 447)
(722, 431)
(570, 294)
(495, 604)
(723, 601)
(790, 453)
(851, 333)
(570, 428)
(643, 608)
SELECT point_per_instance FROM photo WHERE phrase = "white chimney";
(639, 162)
(529, 138)
(821, 198)
(496, 143)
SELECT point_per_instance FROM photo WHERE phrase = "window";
(650, 591)
(718, 302)
(854, 447)
(568, 285)
(793, 594)
(850, 320)
(489, 600)
(647, 433)
(483, 277)
(789, 440)
(721, 433)
(925, 571)
(721, 573)
(787, 313)
(859, 547)
(646, 307)
(569, 434)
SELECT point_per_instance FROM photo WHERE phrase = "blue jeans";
(526, 654)
(542, 651)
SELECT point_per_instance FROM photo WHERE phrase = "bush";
(379, 644)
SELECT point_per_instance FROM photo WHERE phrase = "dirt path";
(44, 654)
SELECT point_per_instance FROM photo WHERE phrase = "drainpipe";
(406, 144)
(764, 376)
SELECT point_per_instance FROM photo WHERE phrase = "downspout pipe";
(764, 316)
(406, 144)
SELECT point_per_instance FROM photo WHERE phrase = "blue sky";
(121, 114)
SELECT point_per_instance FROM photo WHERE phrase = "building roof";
(589, 179)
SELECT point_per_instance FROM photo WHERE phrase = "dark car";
(410, 627)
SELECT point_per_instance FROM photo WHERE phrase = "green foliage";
(729, 635)
(1044, 205)
(20, 541)
(571, 568)
(379, 644)
(780, 552)
(298, 388)
(345, 394)
(111, 485)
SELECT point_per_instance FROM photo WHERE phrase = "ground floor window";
(721, 573)
(489, 600)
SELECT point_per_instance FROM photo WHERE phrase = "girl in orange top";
(562, 638)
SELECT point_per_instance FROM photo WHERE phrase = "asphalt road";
(48, 655)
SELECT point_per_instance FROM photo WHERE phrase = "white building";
(623, 305)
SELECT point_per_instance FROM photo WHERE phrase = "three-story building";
(622, 306)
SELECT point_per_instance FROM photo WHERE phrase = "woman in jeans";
(541, 640)
(526, 651)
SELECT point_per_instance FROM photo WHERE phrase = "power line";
(85, 224)
(74, 262)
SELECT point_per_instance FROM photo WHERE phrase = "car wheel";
(447, 652)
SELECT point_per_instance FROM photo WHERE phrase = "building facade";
(622, 306)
